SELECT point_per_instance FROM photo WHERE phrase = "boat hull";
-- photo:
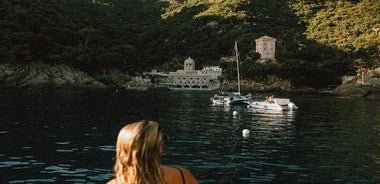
(239, 102)
(273, 105)
(266, 105)
(220, 100)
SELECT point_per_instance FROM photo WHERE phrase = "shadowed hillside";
(317, 41)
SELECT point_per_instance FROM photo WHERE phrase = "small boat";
(222, 99)
(229, 98)
(281, 104)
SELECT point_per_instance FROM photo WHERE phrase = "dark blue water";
(68, 136)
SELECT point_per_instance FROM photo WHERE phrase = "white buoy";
(245, 133)
(234, 113)
(247, 106)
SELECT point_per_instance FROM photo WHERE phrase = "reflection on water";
(68, 137)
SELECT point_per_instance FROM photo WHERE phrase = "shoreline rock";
(38, 75)
(356, 88)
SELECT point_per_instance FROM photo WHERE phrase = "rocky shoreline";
(39, 75)
(355, 87)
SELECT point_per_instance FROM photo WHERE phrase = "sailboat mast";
(237, 65)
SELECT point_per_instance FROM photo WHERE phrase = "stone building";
(266, 47)
(189, 78)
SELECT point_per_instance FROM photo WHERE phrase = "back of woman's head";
(138, 153)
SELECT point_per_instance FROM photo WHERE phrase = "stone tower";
(189, 65)
(266, 47)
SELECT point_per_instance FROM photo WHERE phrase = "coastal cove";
(42, 76)
(68, 136)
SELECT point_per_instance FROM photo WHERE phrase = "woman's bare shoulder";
(174, 173)
(190, 179)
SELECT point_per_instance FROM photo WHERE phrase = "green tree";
(87, 33)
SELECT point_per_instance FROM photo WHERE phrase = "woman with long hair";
(138, 157)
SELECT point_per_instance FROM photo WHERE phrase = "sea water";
(68, 136)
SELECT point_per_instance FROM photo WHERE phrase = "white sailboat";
(233, 98)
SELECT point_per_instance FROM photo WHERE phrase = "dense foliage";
(317, 40)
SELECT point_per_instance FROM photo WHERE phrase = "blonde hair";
(138, 154)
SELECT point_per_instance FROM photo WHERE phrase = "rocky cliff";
(355, 87)
(39, 75)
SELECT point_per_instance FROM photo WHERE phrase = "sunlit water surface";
(68, 136)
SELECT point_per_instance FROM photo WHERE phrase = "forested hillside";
(317, 40)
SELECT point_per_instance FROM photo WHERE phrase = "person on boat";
(138, 157)
(270, 99)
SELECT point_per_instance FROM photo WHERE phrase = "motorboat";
(275, 104)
